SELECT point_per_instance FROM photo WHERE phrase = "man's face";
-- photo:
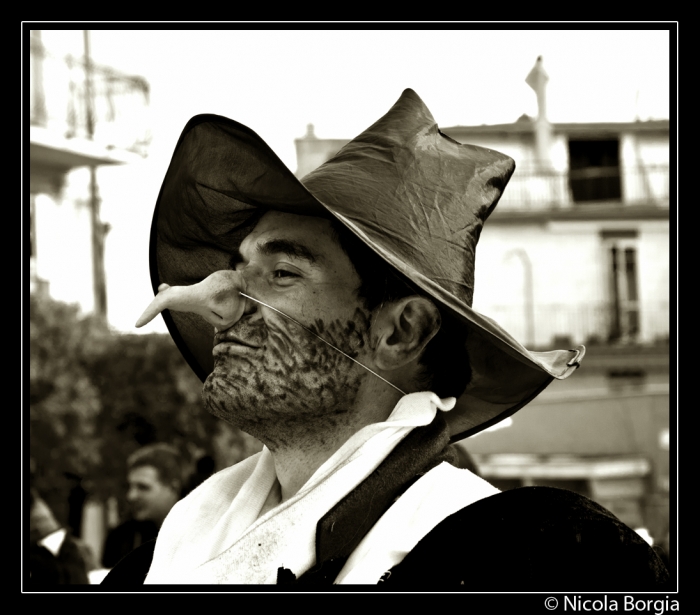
(271, 376)
(149, 498)
(41, 521)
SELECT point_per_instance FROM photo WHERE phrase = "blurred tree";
(63, 402)
(149, 394)
(95, 396)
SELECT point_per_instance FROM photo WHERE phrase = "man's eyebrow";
(290, 248)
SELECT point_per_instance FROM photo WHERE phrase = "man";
(55, 556)
(154, 484)
(340, 311)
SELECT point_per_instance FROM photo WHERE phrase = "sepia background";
(577, 251)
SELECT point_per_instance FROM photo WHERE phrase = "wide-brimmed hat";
(415, 196)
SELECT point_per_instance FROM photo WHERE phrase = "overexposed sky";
(278, 81)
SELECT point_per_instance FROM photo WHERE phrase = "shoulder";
(529, 539)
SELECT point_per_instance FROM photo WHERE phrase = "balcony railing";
(578, 188)
(556, 324)
(92, 101)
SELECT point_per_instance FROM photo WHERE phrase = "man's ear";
(402, 330)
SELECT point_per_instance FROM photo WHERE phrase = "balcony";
(578, 190)
(563, 325)
(83, 111)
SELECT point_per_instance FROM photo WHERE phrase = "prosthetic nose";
(217, 299)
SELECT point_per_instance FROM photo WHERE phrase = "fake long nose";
(216, 298)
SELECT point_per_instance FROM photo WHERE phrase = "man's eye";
(283, 273)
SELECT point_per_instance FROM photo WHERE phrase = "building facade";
(82, 116)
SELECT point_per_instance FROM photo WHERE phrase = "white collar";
(54, 541)
(214, 535)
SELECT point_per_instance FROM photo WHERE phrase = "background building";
(577, 252)
(82, 116)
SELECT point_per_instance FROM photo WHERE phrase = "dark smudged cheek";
(350, 336)
(293, 362)
(298, 349)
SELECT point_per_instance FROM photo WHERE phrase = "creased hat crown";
(415, 192)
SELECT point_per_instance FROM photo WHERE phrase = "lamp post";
(97, 227)
(529, 303)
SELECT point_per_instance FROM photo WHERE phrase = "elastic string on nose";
(274, 309)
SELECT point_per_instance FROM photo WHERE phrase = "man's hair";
(165, 458)
(445, 360)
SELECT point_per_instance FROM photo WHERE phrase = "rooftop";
(525, 125)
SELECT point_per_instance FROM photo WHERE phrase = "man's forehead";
(143, 474)
(307, 237)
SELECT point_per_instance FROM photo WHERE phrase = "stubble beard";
(295, 389)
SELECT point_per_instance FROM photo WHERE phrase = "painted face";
(149, 498)
(271, 376)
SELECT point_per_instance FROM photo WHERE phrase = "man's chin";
(225, 399)
(224, 384)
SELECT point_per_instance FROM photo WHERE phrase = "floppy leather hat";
(415, 196)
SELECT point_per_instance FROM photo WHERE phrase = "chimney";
(537, 80)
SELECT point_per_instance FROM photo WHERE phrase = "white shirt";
(217, 535)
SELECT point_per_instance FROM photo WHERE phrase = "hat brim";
(223, 177)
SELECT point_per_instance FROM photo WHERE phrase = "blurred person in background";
(155, 483)
(340, 311)
(55, 556)
(204, 468)
(663, 548)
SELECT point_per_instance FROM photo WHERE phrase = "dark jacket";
(528, 539)
(124, 538)
(47, 571)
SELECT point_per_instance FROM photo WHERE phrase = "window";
(594, 170)
(623, 304)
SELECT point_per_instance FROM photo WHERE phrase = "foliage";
(63, 401)
(95, 396)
